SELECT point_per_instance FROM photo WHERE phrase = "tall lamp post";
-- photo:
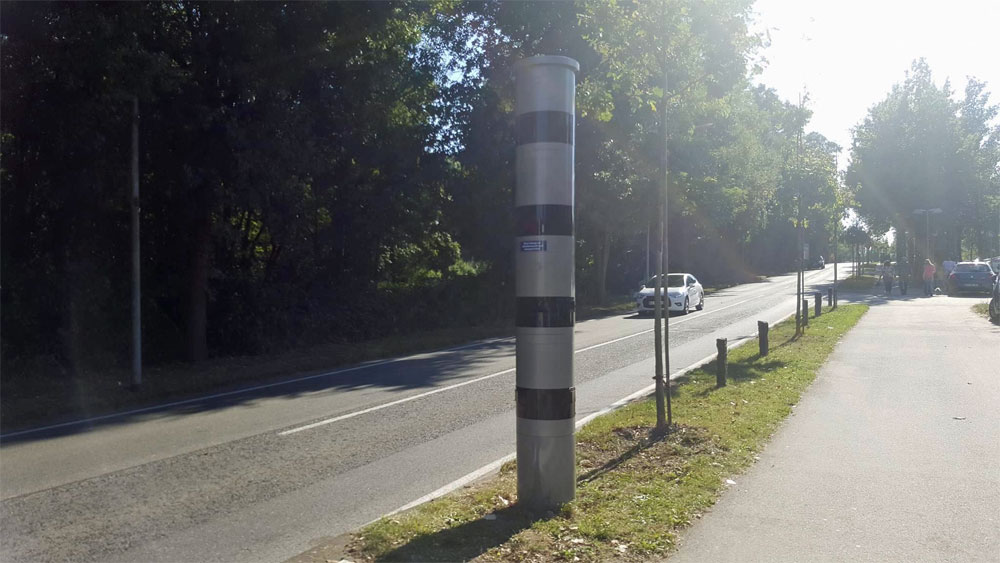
(927, 230)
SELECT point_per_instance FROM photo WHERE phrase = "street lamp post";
(927, 229)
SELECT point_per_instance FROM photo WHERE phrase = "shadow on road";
(423, 371)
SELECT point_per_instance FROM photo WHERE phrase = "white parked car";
(683, 292)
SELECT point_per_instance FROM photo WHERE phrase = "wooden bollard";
(829, 296)
(762, 337)
(805, 312)
(720, 362)
(818, 301)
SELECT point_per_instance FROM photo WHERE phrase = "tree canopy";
(315, 172)
(921, 149)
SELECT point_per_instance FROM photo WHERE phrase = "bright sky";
(847, 54)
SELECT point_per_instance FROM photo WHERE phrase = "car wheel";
(995, 309)
(687, 307)
(701, 304)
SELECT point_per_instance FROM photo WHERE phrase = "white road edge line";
(495, 465)
(392, 403)
(244, 389)
(471, 381)
(299, 379)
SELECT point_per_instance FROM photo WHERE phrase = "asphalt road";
(265, 474)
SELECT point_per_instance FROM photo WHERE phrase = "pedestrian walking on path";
(893, 454)
(887, 277)
(929, 270)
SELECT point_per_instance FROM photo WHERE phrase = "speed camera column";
(546, 293)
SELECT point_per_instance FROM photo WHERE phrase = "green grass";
(636, 489)
(858, 283)
(982, 309)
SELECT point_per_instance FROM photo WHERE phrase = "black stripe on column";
(545, 127)
(546, 404)
(546, 312)
(536, 220)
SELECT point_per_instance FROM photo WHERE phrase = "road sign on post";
(545, 287)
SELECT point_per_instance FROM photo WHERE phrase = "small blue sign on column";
(534, 245)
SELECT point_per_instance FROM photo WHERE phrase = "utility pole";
(927, 229)
(647, 252)
(799, 276)
(545, 288)
(836, 229)
(836, 253)
(136, 264)
(665, 242)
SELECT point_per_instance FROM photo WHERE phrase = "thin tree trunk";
(661, 309)
(602, 269)
(197, 326)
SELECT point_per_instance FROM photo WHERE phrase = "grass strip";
(635, 489)
(982, 309)
(857, 283)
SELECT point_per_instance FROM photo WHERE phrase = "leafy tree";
(286, 165)
(919, 149)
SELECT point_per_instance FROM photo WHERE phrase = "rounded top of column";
(540, 60)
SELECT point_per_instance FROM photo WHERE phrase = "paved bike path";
(893, 454)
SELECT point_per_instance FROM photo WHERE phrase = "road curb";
(494, 466)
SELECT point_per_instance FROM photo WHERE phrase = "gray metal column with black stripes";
(546, 292)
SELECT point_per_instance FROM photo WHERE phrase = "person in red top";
(929, 270)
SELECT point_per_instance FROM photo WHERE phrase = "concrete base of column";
(546, 463)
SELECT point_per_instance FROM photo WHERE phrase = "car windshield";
(673, 280)
(972, 268)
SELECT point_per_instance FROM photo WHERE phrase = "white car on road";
(683, 291)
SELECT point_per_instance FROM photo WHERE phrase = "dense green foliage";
(919, 149)
(315, 172)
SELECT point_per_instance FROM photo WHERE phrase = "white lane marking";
(243, 390)
(471, 381)
(307, 378)
(457, 483)
(497, 374)
(392, 403)
(495, 465)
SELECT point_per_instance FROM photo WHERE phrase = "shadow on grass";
(472, 539)
(652, 436)
(465, 541)
(751, 368)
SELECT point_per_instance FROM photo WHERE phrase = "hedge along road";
(266, 472)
